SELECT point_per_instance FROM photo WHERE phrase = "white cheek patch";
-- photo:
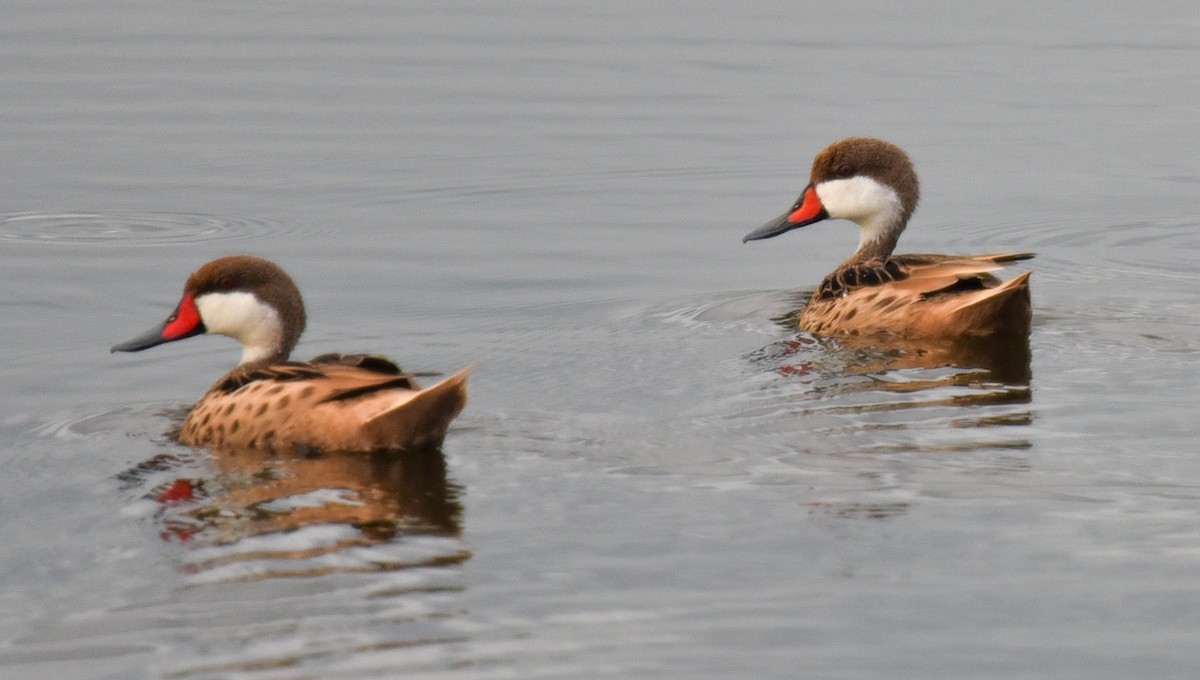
(874, 206)
(244, 318)
(857, 198)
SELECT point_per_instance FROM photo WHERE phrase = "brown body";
(916, 296)
(323, 405)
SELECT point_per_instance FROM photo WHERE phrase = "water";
(654, 477)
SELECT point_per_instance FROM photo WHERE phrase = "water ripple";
(136, 228)
(1162, 247)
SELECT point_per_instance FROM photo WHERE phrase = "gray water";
(655, 477)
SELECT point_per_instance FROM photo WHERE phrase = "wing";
(922, 275)
(931, 275)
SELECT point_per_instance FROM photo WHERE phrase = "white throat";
(245, 318)
(875, 207)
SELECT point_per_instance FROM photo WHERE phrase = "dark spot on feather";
(850, 313)
(234, 426)
(262, 408)
(284, 401)
(207, 417)
(307, 392)
(275, 390)
(229, 409)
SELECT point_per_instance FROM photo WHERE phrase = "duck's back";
(920, 296)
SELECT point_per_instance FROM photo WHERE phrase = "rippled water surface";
(656, 477)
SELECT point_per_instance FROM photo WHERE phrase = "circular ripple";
(132, 228)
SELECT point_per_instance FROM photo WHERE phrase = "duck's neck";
(270, 342)
(878, 235)
(257, 355)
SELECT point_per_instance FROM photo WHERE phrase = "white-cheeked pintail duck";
(872, 183)
(335, 402)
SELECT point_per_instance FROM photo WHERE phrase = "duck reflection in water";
(999, 368)
(884, 407)
(384, 495)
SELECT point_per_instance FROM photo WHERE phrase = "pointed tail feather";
(1003, 309)
(1008, 257)
(421, 422)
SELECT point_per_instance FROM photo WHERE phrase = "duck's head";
(247, 298)
(867, 181)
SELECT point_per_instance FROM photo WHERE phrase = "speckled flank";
(307, 414)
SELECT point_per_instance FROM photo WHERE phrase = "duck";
(333, 402)
(875, 293)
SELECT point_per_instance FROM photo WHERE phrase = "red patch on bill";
(810, 208)
(183, 321)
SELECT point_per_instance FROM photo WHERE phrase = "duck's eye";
(845, 170)
(226, 283)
